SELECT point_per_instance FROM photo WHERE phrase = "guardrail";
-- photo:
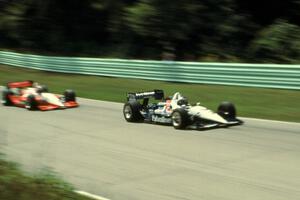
(256, 75)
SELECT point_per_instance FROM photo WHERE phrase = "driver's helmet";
(40, 88)
(36, 85)
(182, 101)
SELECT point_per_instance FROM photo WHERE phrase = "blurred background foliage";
(191, 30)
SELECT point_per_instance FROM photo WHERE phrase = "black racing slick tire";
(131, 111)
(227, 110)
(69, 95)
(180, 119)
(31, 103)
(5, 98)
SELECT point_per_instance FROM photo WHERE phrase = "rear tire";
(5, 98)
(180, 119)
(69, 95)
(131, 111)
(31, 103)
(227, 110)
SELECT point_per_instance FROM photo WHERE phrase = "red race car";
(31, 95)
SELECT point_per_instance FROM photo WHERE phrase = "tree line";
(191, 30)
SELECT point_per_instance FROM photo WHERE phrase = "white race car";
(177, 111)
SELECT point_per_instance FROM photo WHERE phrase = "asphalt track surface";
(96, 150)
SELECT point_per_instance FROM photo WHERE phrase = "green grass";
(16, 184)
(273, 104)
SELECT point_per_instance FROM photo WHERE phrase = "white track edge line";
(89, 195)
(269, 120)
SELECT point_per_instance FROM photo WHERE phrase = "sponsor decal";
(144, 94)
(159, 119)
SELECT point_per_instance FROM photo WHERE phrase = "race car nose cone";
(52, 99)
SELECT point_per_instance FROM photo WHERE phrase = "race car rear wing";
(20, 84)
(156, 94)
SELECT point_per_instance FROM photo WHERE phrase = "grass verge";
(273, 104)
(15, 184)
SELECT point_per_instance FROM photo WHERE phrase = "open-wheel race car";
(176, 111)
(31, 95)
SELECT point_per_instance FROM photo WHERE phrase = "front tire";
(180, 118)
(69, 95)
(131, 111)
(227, 110)
(31, 103)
